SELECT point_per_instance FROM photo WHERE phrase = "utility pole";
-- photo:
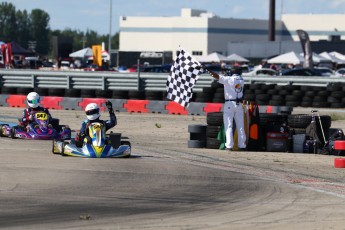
(271, 21)
(109, 45)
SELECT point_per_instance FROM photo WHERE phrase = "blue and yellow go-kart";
(39, 129)
(96, 145)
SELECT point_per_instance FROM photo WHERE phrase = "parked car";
(325, 71)
(157, 69)
(261, 72)
(340, 72)
(300, 72)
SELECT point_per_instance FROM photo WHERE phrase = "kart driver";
(33, 101)
(93, 114)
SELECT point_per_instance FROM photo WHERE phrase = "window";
(197, 53)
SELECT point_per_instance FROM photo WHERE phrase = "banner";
(308, 54)
(97, 54)
(6, 50)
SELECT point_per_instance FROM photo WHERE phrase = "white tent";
(332, 58)
(287, 58)
(337, 55)
(213, 57)
(83, 53)
(317, 58)
(236, 58)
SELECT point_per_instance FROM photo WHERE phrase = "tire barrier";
(214, 122)
(197, 137)
(331, 96)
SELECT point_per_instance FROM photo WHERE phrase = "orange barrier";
(16, 101)
(98, 101)
(51, 102)
(175, 108)
(138, 106)
(213, 107)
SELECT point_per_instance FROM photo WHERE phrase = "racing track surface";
(164, 185)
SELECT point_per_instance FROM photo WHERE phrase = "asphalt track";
(165, 185)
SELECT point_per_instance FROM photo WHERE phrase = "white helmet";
(92, 111)
(33, 99)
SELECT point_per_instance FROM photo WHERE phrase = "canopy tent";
(236, 58)
(287, 58)
(17, 49)
(332, 58)
(317, 58)
(337, 55)
(83, 53)
(213, 57)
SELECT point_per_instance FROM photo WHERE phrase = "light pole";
(109, 45)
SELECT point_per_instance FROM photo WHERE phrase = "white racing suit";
(233, 110)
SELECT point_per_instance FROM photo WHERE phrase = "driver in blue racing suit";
(33, 100)
(93, 114)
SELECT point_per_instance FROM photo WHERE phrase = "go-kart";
(96, 145)
(39, 129)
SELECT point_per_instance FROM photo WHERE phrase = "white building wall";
(195, 30)
(318, 26)
(163, 34)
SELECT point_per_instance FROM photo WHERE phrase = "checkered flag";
(183, 75)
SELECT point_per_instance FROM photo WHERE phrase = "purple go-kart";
(39, 129)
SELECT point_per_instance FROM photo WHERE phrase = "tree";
(40, 30)
(23, 27)
(8, 29)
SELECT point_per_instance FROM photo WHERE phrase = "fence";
(131, 81)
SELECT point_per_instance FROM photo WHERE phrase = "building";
(201, 32)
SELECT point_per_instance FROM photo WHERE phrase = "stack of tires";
(214, 125)
(197, 136)
(300, 122)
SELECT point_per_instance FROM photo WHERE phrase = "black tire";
(56, 92)
(1, 131)
(13, 132)
(196, 143)
(303, 120)
(103, 93)
(195, 128)
(73, 93)
(212, 131)
(55, 123)
(125, 143)
(212, 143)
(215, 118)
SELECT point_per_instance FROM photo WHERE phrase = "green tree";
(23, 27)
(8, 29)
(40, 30)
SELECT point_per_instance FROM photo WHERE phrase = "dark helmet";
(236, 70)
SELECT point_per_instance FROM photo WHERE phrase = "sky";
(94, 15)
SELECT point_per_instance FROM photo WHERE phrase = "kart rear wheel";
(63, 149)
(13, 132)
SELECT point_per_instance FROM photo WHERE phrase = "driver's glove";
(109, 106)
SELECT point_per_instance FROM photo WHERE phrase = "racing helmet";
(33, 100)
(92, 111)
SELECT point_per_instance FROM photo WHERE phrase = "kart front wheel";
(1, 131)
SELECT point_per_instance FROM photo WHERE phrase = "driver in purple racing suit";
(33, 101)
(93, 114)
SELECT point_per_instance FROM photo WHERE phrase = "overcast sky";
(95, 14)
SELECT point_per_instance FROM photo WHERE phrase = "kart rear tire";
(126, 143)
(13, 132)
(63, 149)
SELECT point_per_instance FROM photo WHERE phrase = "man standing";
(233, 94)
